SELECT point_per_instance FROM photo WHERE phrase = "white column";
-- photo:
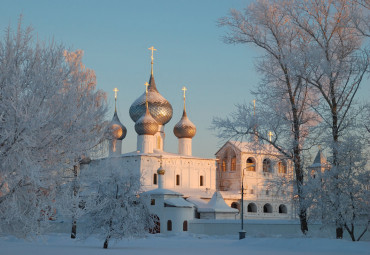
(145, 143)
(185, 146)
(115, 148)
(160, 181)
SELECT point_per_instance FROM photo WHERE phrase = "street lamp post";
(242, 232)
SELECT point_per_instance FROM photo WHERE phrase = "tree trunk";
(105, 246)
(74, 229)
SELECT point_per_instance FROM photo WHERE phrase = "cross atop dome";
(152, 57)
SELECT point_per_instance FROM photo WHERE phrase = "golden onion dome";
(160, 109)
(184, 128)
(116, 130)
(146, 125)
(161, 170)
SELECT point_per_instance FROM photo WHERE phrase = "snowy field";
(184, 244)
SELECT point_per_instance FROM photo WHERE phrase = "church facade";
(183, 187)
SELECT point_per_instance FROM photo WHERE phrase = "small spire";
(115, 99)
(270, 134)
(184, 89)
(152, 49)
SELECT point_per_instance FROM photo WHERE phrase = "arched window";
(283, 209)
(169, 225)
(251, 164)
(282, 167)
(155, 179)
(224, 165)
(267, 208)
(267, 166)
(201, 180)
(235, 205)
(185, 226)
(252, 208)
(233, 163)
(177, 179)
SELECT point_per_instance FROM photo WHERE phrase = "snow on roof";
(253, 148)
(216, 204)
(320, 161)
(178, 202)
(162, 192)
(160, 153)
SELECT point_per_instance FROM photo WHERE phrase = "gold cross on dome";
(152, 49)
(184, 89)
(146, 87)
(270, 134)
(115, 92)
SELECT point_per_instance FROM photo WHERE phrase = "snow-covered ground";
(184, 244)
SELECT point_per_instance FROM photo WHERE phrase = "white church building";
(185, 188)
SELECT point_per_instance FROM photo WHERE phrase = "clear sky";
(115, 37)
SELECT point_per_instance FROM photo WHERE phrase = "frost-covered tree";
(113, 204)
(50, 115)
(283, 97)
(352, 178)
(338, 63)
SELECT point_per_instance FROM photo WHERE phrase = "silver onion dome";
(160, 109)
(184, 128)
(146, 124)
(116, 130)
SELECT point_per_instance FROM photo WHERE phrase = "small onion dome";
(116, 130)
(161, 170)
(159, 108)
(184, 128)
(146, 125)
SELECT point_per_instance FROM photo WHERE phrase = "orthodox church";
(183, 187)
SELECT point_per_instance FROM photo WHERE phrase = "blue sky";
(115, 37)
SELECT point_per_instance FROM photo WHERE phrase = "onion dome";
(161, 170)
(160, 109)
(146, 125)
(184, 128)
(116, 130)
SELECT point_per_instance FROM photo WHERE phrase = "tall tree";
(283, 96)
(50, 115)
(338, 62)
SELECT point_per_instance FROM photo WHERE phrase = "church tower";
(116, 132)
(159, 108)
(185, 130)
(146, 127)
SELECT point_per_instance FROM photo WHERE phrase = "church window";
(251, 164)
(169, 225)
(185, 226)
(267, 166)
(224, 165)
(155, 180)
(177, 179)
(152, 202)
(251, 191)
(233, 164)
(282, 167)
(267, 192)
(267, 208)
(235, 205)
(252, 208)
(201, 180)
(283, 209)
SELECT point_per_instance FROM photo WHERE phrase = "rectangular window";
(155, 179)
(152, 202)
(201, 180)
(177, 180)
(233, 164)
(224, 165)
